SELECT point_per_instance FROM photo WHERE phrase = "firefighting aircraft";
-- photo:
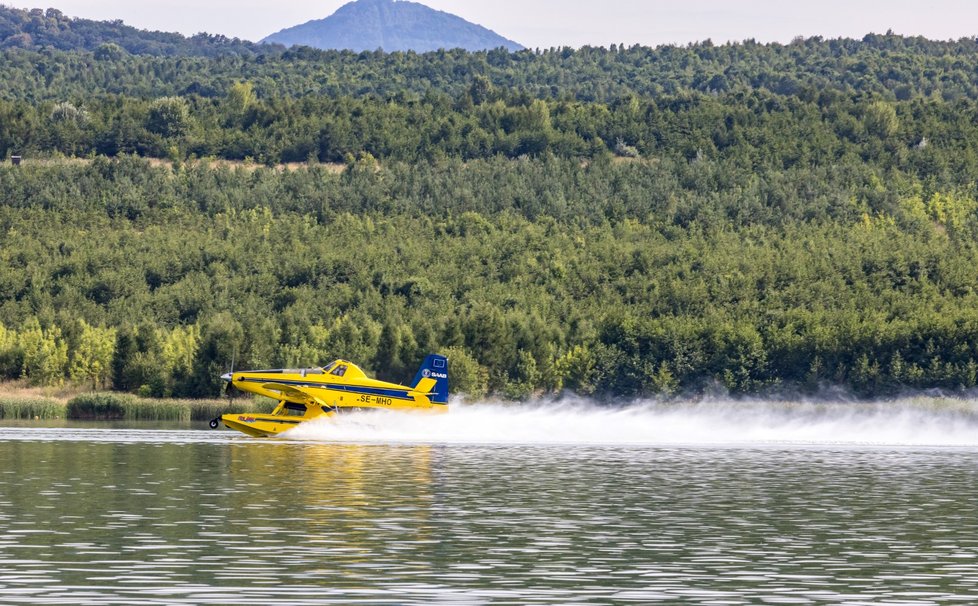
(310, 393)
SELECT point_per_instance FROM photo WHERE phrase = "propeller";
(229, 386)
(228, 391)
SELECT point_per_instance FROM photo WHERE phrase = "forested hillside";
(625, 221)
(51, 29)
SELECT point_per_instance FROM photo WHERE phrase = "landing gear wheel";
(214, 423)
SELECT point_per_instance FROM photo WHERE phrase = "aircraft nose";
(226, 377)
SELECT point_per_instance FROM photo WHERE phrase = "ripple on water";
(190, 517)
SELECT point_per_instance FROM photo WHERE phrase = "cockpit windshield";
(329, 366)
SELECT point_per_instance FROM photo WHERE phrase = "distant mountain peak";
(391, 25)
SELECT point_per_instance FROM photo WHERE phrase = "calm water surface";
(111, 516)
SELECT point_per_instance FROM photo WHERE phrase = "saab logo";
(439, 375)
(426, 373)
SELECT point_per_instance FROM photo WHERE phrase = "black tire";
(214, 423)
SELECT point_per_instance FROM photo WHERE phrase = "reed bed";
(205, 410)
(13, 407)
(118, 406)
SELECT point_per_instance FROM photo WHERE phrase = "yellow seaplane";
(310, 393)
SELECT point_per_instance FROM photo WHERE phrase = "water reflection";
(351, 506)
(158, 517)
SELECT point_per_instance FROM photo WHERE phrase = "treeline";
(534, 276)
(890, 67)
(38, 28)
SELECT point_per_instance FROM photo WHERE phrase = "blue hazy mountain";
(392, 26)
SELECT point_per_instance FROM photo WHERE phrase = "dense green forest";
(888, 66)
(755, 130)
(628, 278)
(624, 221)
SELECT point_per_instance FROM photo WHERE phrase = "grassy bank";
(123, 407)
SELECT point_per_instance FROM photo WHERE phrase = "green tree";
(11, 353)
(45, 354)
(169, 117)
(221, 344)
(526, 377)
(465, 375)
(241, 97)
(577, 368)
(179, 350)
(93, 354)
(881, 119)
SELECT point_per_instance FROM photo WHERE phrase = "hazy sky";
(546, 23)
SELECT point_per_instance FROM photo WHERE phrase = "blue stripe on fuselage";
(399, 394)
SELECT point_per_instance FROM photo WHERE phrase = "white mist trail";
(919, 422)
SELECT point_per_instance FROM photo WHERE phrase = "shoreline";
(72, 405)
(119, 406)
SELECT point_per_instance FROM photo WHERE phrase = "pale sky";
(546, 23)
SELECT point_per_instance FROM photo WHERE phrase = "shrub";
(100, 406)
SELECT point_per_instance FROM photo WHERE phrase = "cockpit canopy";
(342, 368)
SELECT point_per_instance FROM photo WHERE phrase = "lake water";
(711, 504)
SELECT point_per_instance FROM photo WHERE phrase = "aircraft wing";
(294, 394)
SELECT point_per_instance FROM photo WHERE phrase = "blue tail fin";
(435, 367)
